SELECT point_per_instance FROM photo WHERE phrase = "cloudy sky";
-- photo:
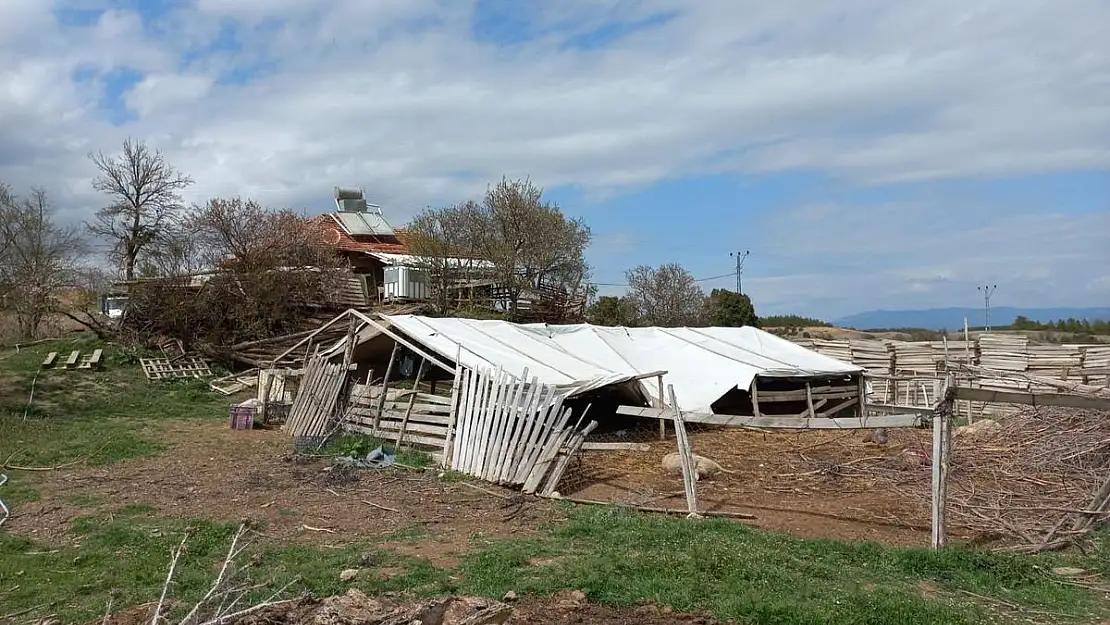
(869, 154)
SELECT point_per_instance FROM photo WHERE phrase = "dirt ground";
(564, 608)
(801, 483)
(225, 475)
(216, 473)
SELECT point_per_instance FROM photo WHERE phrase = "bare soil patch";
(215, 473)
(801, 483)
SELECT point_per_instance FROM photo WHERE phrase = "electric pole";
(987, 291)
(740, 257)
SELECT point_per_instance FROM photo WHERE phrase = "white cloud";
(399, 97)
(902, 257)
(160, 93)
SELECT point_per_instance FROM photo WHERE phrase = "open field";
(151, 460)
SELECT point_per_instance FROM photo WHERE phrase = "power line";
(723, 275)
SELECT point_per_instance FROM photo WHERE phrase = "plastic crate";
(241, 417)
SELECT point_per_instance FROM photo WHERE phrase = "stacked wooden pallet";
(915, 358)
(841, 350)
(876, 358)
(1096, 365)
(1061, 362)
(1003, 352)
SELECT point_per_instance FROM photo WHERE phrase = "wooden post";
(755, 396)
(412, 401)
(862, 394)
(942, 445)
(809, 400)
(662, 403)
(264, 393)
(685, 455)
(385, 386)
(349, 348)
(458, 398)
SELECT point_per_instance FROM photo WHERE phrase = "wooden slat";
(415, 439)
(1032, 399)
(791, 423)
(572, 447)
(616, 447)
(71, 360)
(51, 358)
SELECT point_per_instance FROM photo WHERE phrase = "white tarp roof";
(702, 363)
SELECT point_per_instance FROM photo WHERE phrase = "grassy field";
(616, 557)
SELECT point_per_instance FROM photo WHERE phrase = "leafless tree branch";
(145, 201)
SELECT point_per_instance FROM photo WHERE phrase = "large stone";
(348, 575)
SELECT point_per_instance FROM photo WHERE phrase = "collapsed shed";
(563, 373)
(737, 371)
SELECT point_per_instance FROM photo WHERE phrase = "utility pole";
(740, 257)
(987, 291)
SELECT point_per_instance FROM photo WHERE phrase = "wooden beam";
(396, 337)
(1033, 399)
(755, 396)
(893, 409)
(617, 446)
(385, 384)
(789, 423)
(412, 402)
(685, 455)
(809, 400)
(661, 404)
(308, 339)
(942, 446)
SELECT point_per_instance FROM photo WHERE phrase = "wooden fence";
(513, 432)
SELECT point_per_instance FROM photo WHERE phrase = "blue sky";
(869, 154)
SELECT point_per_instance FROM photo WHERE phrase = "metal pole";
(987, 291)
(740, 257)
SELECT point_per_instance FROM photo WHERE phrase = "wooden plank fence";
(407, 416)
(317, 403)
(513, 432)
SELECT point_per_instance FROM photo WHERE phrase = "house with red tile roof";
(377, 252)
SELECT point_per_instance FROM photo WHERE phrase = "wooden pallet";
(91, 361)
(165, 369)
(173, 349)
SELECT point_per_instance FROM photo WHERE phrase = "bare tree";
(442, 241)
(265, 268)
(38, 258)
(145, 193)
(528, 241)
(666, 296)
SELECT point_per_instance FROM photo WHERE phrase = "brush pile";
(1038, 479)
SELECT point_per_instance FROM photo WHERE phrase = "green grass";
(99, 415)
(735, 572)
(131, 556)
(617, 558)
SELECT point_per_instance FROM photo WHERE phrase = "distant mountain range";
(953, 318)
